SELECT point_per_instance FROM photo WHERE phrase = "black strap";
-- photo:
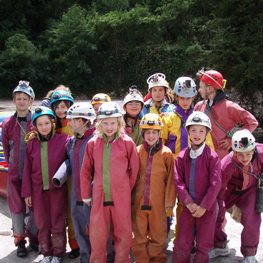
(146, 207)
(109, 203)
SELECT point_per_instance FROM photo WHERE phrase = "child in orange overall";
(154, 193)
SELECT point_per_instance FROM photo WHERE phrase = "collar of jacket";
(43, 139)
(117, 136)
(220, 95)
(150, 103)
(153, 150)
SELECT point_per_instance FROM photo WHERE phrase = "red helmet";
(213, 78)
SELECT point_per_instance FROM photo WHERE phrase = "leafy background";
(108, 45)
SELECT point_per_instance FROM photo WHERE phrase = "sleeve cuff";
(86, 200)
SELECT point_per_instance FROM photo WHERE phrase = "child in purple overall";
(197, 174)
(14, 130)
(241, 170)
(80, 117)
(44, 156)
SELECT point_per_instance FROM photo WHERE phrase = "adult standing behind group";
(224, 115)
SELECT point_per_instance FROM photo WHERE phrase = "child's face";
(184, 103)
(197, 134)
(202, 89)
(44, 125)
(59, 110)
(133, 108)
(109, 127)
(96, 107)
(151, 137)
(22, 101)
(77, 123)
(244, 157)
(158, 93)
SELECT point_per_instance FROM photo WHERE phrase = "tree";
(22, 60)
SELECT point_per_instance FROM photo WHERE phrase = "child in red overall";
(241, 170)
(14, 130)
(44, 156)
(197, 174)
(114, 158)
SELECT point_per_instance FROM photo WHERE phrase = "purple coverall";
(80, 212)
(197, 181)
(14, 150)
(49, 206)
(243, 199)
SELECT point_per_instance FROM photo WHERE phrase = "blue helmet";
(40, 111)
(61, 95)
(185, 87)
(23, 86)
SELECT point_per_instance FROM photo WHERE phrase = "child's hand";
(199, 212)
(192, 208)
(30, 136)
(168, 208)
(224, 144)
(166, 114)
(28, 201)
(88, 203)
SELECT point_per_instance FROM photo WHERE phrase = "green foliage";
(71, 49)
(105, 45)
(22, 60)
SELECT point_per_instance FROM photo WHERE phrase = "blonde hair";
(59, 87)
(99, 131)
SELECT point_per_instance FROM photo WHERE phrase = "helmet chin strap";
(197, 145)
(76, 130)
(208, 93)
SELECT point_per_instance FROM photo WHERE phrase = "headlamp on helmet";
(109, 109)
(157, 79)
(40, 111)
(151, 121)
(243, 141)
(100, 98)
(23, 86)
(198, 118)
(185, 87)
(60, 95)
(212, 77)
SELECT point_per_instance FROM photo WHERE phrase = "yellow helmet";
(151, 121)
(100, 98)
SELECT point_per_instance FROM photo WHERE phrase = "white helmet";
(81, 110)
(157, 79)
(185, 87)
(198, 118)
(243, 141)
(109, 109)
(134, 95)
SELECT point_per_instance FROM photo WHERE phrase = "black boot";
(35, 246)
(74, 253)
(21, 249)
(111, 257)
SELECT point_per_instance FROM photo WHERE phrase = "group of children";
(122, 194)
